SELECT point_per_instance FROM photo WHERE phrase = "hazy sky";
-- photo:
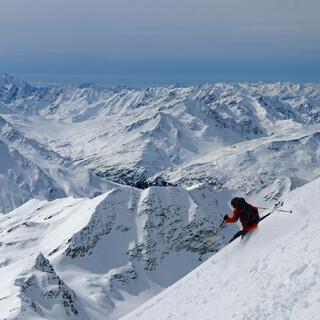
(226, 40)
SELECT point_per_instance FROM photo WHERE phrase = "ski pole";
(275, 209)
(220, 227)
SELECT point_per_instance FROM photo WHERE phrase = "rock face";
(159, 222)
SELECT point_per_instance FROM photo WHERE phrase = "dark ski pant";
(240, 233)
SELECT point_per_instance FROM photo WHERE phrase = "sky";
(154, 42)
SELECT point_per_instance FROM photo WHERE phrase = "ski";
(276, 207)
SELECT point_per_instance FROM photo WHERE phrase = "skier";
(248, 215)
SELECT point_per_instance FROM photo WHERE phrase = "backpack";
(249, 215)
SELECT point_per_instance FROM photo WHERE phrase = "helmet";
(237, 202)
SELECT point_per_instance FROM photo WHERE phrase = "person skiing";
(248, 215)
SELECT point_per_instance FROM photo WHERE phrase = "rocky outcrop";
(44, 295)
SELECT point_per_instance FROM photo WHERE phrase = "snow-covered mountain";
(229, 135)
(30, 170)
(99, 258)
(272, 275)
(264, 170)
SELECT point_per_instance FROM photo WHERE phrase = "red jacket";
(236, 214)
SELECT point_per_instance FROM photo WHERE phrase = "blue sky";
(148, 42)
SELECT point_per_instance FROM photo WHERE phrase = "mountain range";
(111, 195)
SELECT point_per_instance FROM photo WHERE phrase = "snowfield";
(275, 274)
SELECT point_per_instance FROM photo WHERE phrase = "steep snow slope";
(131, 136)
(99, 258)
(275, 274)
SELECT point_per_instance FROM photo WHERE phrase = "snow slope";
(275, 274)
(81, 258)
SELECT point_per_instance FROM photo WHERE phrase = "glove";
(225, 217)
